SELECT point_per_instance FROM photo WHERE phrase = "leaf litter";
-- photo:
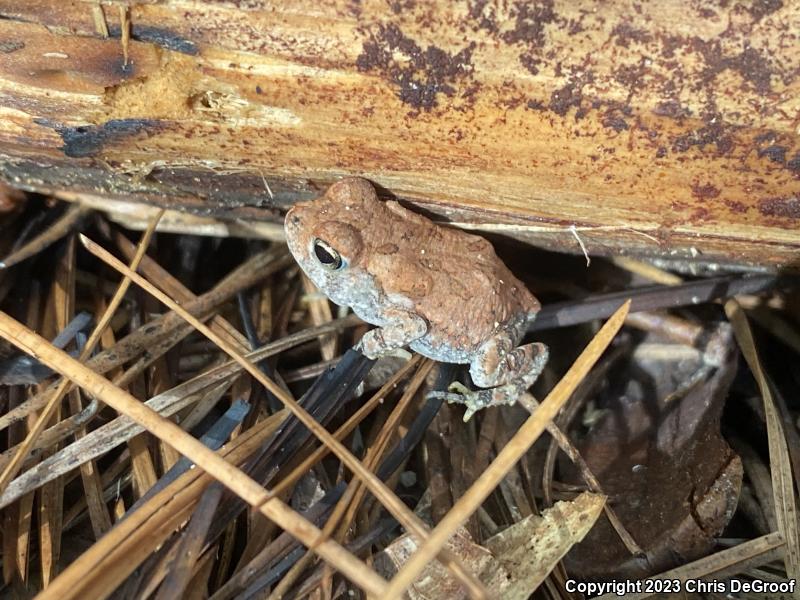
(656, 444)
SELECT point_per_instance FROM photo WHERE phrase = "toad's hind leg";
(507, 371)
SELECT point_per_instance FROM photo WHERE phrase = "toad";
(440, 291)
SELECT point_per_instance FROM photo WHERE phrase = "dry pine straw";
(100, 570)
(237, 481)
(273, 508)
(389, 500)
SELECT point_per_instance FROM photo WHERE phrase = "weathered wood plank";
(665, 129)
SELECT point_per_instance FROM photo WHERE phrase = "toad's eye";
(327, 256)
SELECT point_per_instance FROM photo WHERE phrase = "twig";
(391, 502)
(599, 306)
(125, 31)
(783, 488)
(99, 17)
(12, 468)
(242, 485)
(531, 404)
(720, 565)
(49, 236)
(527, 434)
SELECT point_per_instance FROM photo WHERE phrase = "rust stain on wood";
(656, 127)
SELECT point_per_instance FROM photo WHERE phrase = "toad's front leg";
(403, 328)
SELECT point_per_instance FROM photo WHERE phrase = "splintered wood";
(663, 129)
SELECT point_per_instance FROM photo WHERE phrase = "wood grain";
(665, 129)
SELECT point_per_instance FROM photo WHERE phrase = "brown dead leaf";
(435, 581)
(530, 549)
(513, 563)
(671, 478)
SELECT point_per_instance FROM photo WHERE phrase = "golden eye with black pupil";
(327, 256)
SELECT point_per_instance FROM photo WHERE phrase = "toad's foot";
(474, 400)
(513, 373)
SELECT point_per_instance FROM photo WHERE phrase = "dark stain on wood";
(571, 96)
(159, 36)
(775, 153)
(9, 46)
(672, 109)
(424, 75)
(88, 140)
(761, 8)
(715, 133)
(794, 164)
(197, 191)
(736, 206)
(705, 191)
(788, 207)
(530, 21)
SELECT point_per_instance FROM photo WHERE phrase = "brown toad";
(441, 291)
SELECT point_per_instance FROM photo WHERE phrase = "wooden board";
(664, 128)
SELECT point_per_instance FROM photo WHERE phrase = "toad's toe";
(458, 393)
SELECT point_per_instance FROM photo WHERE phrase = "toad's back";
(454, 279)
(395, 265)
